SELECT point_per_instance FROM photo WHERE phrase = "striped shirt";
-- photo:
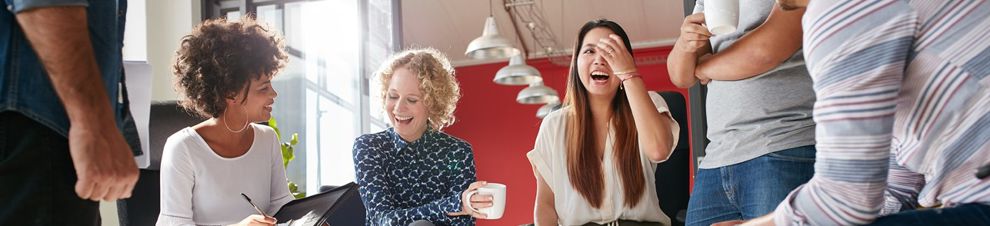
(903, 108)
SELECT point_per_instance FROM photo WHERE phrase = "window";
(326, 93)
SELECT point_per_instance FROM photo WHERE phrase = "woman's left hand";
(614, 51)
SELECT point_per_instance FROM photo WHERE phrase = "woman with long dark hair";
(594, 159)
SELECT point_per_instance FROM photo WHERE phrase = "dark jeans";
(968, 214)
(748, 189)
(37, 179)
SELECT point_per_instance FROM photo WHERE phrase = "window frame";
(361, 105)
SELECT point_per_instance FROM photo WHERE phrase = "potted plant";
(288, 154)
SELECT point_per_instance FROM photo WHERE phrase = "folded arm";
(759, 51)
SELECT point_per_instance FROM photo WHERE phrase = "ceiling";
(449, 25)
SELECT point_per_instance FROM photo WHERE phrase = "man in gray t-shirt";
(759, 105)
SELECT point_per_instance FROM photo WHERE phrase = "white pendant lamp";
(537, 93)
(517, 72)
(490, 45)
(546, 109)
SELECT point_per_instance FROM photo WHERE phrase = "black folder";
(340, 206)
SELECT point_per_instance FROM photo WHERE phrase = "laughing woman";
(223, 71)
(412, 173)
(595, 158)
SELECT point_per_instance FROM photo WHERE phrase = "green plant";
(288, 154)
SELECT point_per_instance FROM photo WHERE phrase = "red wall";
(501, 131)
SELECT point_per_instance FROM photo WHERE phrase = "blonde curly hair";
(436, 81)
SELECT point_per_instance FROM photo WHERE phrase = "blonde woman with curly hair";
(412, 173)
(223, 71)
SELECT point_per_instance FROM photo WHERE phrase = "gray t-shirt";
(760, 115)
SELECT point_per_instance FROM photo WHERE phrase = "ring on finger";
(609, 50)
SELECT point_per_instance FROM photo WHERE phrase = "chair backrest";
(672, 176)
(166, 119)
(143, 206)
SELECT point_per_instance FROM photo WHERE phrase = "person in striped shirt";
(903, 114)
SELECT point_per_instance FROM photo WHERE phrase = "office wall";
(168, 21)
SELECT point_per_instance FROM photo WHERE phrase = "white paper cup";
(497, 191)
(721, 16)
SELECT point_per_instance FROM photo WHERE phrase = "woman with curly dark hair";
(223, 72)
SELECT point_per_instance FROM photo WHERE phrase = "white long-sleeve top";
(549, 156)
(199, 187)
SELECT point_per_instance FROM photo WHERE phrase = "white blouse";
(549, 157)
(199, 187)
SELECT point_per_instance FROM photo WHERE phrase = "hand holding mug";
(468, 199)
(483, 200)
(472, 201)
(694, 35)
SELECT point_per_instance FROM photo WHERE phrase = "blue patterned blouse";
(402, 182)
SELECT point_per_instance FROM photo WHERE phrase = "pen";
(252, 205)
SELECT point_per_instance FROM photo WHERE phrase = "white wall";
(152, 33)
(168, 21)
(136, 32)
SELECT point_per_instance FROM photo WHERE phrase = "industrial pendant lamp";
(517, 73)
(537, 93)
(490, 45)
(546, 109)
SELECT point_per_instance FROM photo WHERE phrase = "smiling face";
(406, 105)
(258, 104)
(596, 75)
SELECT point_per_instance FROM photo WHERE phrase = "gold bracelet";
(623, 80)
(624, 75)
(624, 72)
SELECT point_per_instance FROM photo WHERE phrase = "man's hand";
(702, 78)
(691, 44)
(694, 35)
(103, 162)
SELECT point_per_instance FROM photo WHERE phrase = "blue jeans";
(748, 189)
(968, 214)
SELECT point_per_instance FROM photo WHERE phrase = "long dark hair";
(583, 165)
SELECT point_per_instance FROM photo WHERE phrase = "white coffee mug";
(497, 191)
(721, 16)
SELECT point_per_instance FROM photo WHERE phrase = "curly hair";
(436, 81)
(220, 58)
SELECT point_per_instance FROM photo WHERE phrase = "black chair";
(143, 206)
(672, 176)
